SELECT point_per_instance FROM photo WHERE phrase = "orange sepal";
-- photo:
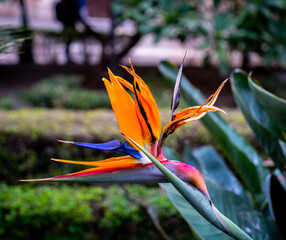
(109, 163)
(124, 109)
(194, 113)
(147, 101)
(152, 115)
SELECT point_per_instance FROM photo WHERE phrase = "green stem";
(236, 231)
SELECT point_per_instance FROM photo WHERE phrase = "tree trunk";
(245, 60)
(25, 51)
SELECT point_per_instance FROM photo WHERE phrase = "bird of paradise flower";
(139, 121)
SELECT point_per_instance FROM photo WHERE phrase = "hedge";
(62, 91)
(28, 139)
(86, 212)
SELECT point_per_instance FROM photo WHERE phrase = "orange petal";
(147, 136)
(194, 115)
(147, 101)
(152, 113)
(111, 164)
(215, 96)
(107, 163)
(125, 83)
(190, 110)
(146, 132)
(124, 109)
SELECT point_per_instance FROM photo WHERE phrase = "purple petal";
(109, 146)
(124, 148)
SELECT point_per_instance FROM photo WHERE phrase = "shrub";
(65, 92)
(83, 212)
(6, 103)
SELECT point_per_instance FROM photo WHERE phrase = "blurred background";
(53, 55)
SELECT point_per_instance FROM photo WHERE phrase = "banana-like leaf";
(200, 225)
(241, 154)
(189, 158)
(232, 205)
(265, 129)
(171, 152)
(198, 200)
(214, 167)
(273, 105)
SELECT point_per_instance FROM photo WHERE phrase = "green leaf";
(190, 159)
(173, 155)
(273, 105)
(210, 164)
(267, 133)
(234, 207)
(215, 169)
(223, 21)
(241, 154)
(198, 200)
(166, 5)
(200, 225)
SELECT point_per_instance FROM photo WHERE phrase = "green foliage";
(82, 212)
(28, 213)
(171, 19)
(251, 212)
(6, 103)
(265, 114)
(227, 195)
(273, 105)
(215, 168)
(271, 138)
(220, 26)
(65, 92)
(11, 39)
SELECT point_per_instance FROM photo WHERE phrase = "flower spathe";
(138, 118)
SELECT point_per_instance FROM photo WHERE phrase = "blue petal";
(109, 146)
(124, 148)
